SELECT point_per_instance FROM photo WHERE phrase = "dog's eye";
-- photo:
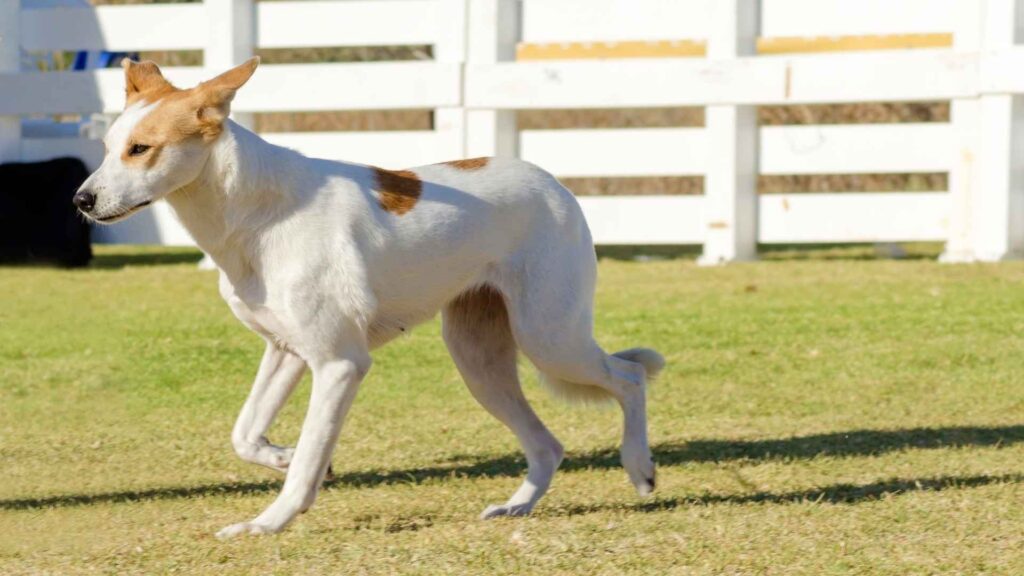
(138, 149)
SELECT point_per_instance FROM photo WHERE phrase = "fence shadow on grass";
(834, 444)
(837, 444)
(834, 494)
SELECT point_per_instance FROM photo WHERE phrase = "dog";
(327, 261)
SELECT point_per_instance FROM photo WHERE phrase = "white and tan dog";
(329, 260)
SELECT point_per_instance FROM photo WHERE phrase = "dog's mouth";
(122, 214)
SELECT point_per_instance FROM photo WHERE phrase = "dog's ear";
(142, 77)
(215, 95)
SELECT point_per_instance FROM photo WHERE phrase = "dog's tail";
(651, 361)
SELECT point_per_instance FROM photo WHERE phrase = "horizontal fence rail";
(835, 78)
(484, 60)
(277, 88)
(349, 23)
(117, 28)
(837, 149)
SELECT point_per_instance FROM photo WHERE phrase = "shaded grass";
(816, 417)
(855, 443)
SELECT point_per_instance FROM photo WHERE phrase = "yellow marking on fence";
(593, 50)
(788, 45)
(698, 48)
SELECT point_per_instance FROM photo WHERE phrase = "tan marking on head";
(180, 114)
(469, 164)
(176, 118)
(144, 81)
(398, 190)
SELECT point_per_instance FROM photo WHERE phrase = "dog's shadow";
(838, 444)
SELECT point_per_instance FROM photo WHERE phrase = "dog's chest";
(257, 318)
(261, 320)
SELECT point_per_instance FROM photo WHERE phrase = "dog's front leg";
(334, 387)
(278, 374)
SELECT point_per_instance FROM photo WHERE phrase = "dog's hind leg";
(477, 332)
(551, 313)
(278, 374)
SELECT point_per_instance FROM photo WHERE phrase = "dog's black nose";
(84, 200)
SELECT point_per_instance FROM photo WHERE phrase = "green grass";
(821, 416)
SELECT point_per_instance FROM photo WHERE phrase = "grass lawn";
(834, 415)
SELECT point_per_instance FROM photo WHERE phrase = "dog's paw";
(645, 487)
(278, 457)
(640, 467)
(244, 528)
(499, 510)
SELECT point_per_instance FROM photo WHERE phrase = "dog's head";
(160, 142)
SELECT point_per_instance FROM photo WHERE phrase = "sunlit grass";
(816, 417)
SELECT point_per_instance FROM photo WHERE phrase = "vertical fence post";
(492, 36)
(10, 62)
(998, 207)
(450, 47)
(730, 185)
(231, 40)
(965, 117)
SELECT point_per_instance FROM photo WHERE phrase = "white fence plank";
(617, 152)
(856, 149)
(859, 17)
(826, 149)
(876, 76)
(996, 75)
(998, 203)
(492, 32)
(783, 218)
(645, 219)
(823, 218)
(965, 120)
(369, 86)
(275, 88)
(350, 23)
(390, 150)
(449, 123)
(620, 84)
(124, 28)
(730, 185)
(614, 20)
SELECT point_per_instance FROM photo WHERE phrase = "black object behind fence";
(37, 220)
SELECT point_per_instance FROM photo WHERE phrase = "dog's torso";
(381, 251)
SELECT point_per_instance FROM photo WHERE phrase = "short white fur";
(310, 261)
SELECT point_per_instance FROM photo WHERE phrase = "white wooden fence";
(475, 84)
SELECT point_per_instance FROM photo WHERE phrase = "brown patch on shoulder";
(469, 164)
(399, 190)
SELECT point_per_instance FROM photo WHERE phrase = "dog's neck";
(245, 183)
